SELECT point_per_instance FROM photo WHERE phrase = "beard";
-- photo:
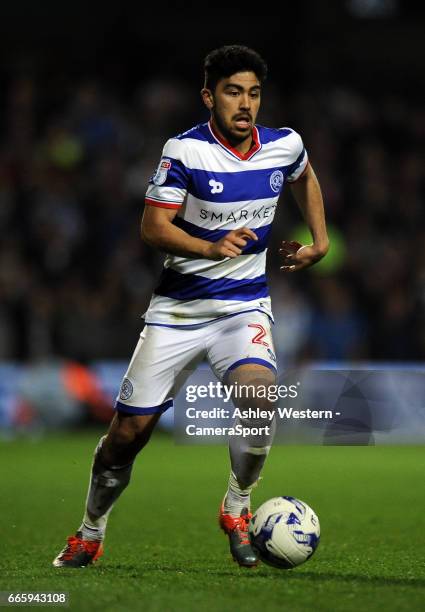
(234, 138)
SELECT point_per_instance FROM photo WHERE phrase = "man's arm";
(307, 193)
(158, 230)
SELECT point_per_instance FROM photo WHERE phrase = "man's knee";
(127, 435)
(252, 373)
(252, 383)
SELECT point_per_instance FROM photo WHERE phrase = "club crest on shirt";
(161, 173)
(276, 181)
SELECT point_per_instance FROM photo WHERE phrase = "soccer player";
(210, 207)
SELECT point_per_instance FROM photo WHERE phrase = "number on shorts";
(258, 338)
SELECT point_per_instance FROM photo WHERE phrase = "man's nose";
(245, 102)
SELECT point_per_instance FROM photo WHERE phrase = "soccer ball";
(284, 532)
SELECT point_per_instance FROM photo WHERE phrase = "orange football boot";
(236, 527)
(79, 552)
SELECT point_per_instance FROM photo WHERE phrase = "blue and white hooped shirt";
(216, 189)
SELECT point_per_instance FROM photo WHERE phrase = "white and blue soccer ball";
(284, 532)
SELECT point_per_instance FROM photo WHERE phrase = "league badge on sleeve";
(160, 175)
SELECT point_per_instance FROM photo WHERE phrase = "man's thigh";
(160, 354)
(242, 340)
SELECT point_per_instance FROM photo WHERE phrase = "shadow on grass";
(259, 573)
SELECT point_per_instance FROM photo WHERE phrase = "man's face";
(234, 105)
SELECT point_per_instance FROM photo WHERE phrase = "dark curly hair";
(225, 61)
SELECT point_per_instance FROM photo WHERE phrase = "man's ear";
(207, 98)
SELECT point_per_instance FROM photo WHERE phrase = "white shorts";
(163, 352)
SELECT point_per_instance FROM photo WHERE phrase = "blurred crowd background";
(76, 278)
(87, 101)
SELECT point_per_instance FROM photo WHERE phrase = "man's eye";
(233, 93)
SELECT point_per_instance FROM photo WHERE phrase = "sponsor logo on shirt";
(216, 186)
(262, 212)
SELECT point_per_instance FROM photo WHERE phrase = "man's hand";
(297, 256)
(306, 191)
(230, 245)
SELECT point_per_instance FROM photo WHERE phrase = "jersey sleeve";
(300, 157)
(168, 185)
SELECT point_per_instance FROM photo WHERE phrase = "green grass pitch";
(164, 550)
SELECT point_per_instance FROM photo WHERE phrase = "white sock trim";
(258, 450)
